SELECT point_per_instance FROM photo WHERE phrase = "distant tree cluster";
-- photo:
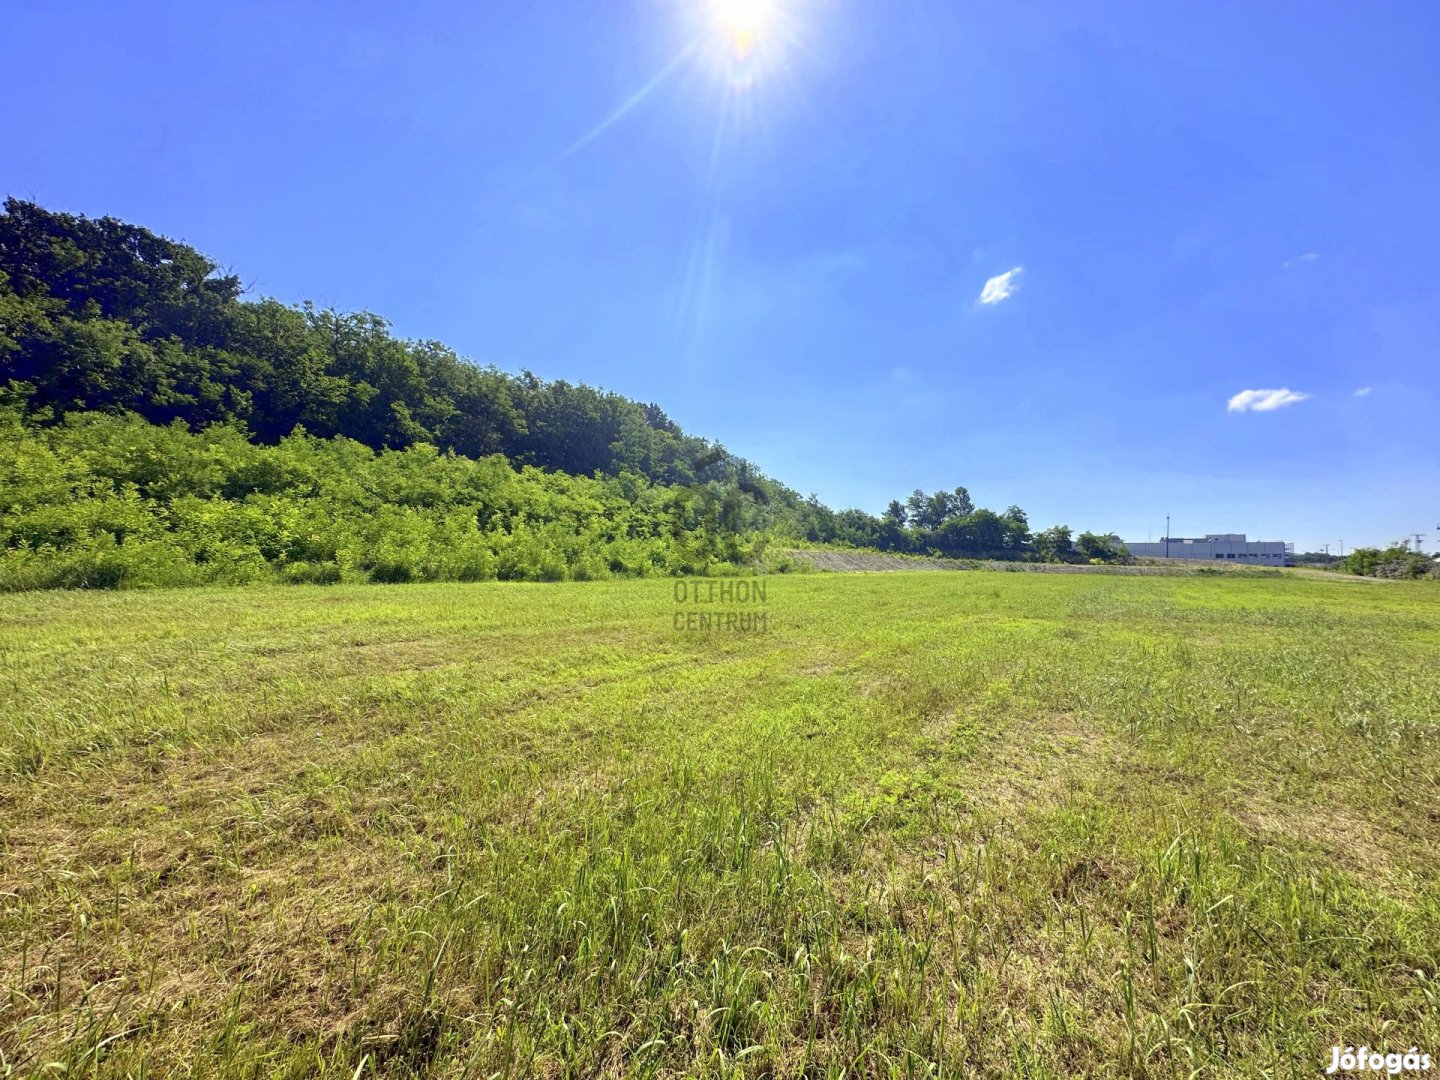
(1315, 558)
(1396, 561)
(948, 523)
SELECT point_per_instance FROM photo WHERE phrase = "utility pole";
(1327, 551)
(1418, 538)
(1167, 536)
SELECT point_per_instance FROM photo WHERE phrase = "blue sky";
(788, 250)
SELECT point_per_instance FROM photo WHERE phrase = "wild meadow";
(960, 824)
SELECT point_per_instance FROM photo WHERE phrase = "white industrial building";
(1231, 547)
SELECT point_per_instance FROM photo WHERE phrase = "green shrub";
(310, 573)
(100, 562)
(94, 503)
(1393, 562)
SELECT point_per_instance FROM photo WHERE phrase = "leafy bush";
(310, 573)
(1395, 561)
(88, 503)
(1101, 549)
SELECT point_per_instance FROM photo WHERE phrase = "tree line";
(100, 315)
(949, 523)
(100, 318)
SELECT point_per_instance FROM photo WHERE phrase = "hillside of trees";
(98, 315)
(156, 426)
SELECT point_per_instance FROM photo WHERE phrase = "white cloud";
(1264, 400)
(1309, 256)
(1362, 391)
(1000, 287)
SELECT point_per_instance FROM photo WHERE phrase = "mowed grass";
(928, 824)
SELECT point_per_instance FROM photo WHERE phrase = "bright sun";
(741, 20)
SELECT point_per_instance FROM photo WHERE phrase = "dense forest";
(156, 426)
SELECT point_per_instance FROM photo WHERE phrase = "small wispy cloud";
(1361, 392)
(1309, 256)
(1264, 400)
(1000, 287)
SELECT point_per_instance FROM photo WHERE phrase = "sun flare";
(741, 20)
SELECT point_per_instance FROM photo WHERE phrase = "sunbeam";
(629, 103)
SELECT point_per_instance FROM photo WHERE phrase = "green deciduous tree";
(1053, 544)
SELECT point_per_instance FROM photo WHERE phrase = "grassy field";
(927, 824)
